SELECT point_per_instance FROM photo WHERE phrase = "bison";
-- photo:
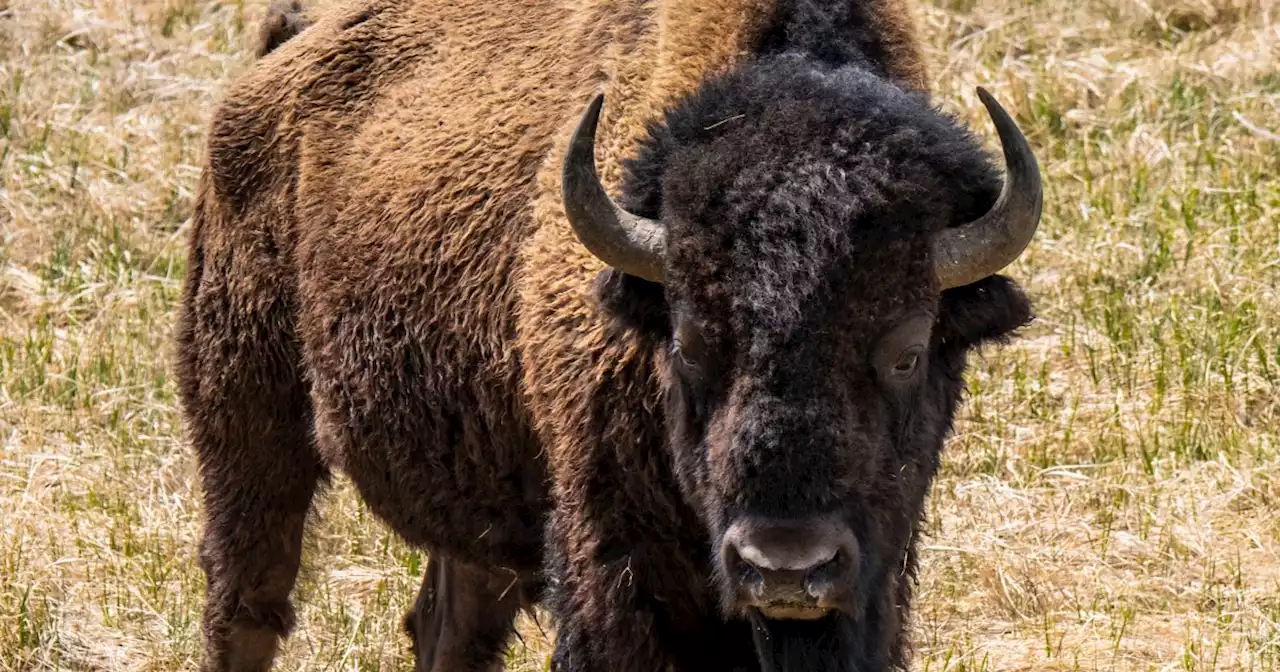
(697, 419)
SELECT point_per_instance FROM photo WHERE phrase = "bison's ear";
(987, 310)
(634, 303)
(284, 20)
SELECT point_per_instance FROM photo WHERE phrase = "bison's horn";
(627, 242)
(966, 254)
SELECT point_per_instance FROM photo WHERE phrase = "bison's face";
(825, 268)
(808, 389)
(806, 402)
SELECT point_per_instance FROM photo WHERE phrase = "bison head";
(821, 248)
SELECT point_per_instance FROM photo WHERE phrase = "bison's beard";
(830, 644)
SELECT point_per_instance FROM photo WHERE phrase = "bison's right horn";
(630, 243)
(966, 254)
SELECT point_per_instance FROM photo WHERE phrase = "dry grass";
(1108, 503)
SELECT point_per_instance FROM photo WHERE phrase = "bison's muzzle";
(791, 570)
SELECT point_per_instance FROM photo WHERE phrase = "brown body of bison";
(382, 281)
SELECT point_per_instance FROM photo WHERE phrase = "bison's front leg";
(629, 602)
(464, 616)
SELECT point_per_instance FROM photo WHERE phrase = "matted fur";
(382, 281)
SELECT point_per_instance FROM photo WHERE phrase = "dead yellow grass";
(1108, 503)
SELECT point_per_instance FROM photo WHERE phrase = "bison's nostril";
(820, 582)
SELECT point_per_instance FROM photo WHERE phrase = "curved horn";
(627, 242)
(969, 253)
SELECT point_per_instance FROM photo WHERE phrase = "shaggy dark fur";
(382, 281)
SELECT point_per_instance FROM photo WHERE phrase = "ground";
(1109, 501)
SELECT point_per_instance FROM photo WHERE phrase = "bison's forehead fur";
(801, 198)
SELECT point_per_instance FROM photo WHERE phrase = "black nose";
(790, 568)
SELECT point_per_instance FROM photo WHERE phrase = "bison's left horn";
(627, 242)
(969, 253)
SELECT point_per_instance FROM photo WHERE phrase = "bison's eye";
(907, 362)
(688, 349)
(677, 348)
(688, 355)
(899, 355)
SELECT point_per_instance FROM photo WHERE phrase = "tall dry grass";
(1109, 501)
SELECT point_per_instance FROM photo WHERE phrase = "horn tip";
(989, 101)
(593, 108)
(583, 138)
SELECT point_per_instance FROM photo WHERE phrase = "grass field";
(1109, 501)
